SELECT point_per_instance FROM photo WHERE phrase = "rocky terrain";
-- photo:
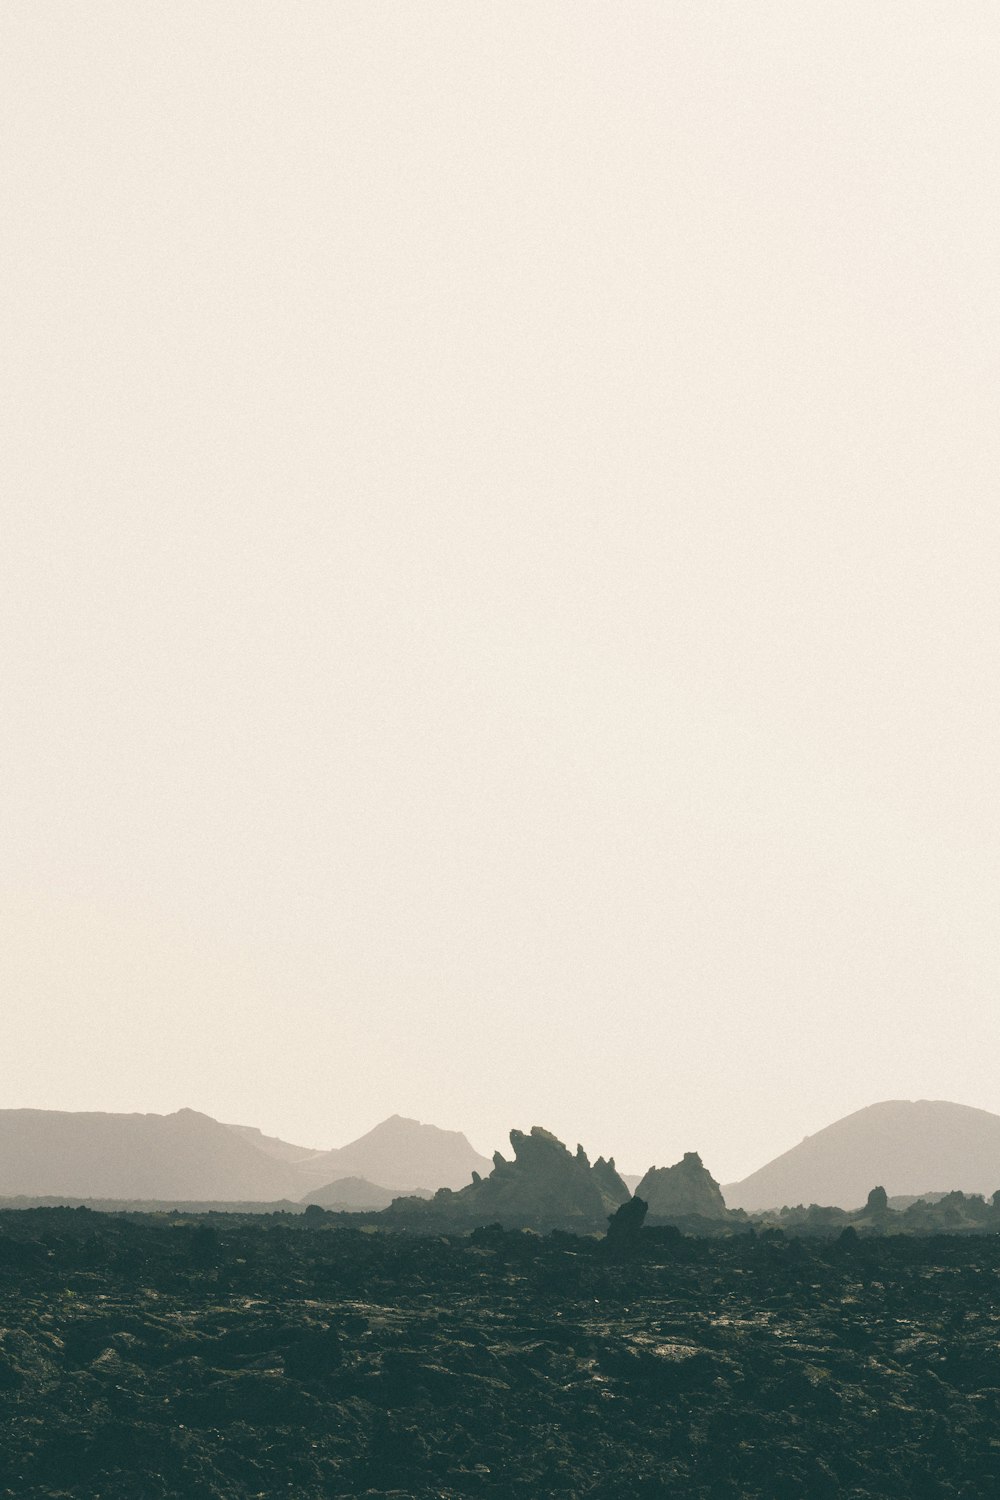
(224, 1357)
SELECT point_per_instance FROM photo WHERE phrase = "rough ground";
(163, 1356)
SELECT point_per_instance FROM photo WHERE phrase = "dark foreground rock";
(226, 1358)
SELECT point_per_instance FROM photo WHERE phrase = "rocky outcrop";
(606, 1173)
(878, 1201)
(544, 1187)
(685, 1190)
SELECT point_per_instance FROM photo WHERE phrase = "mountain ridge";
(100, 1154)
(190, 1156)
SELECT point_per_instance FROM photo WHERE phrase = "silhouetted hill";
(189, 1157)
(911, 1147)
(544, 1187)
(185, 1155)
(354, 1194)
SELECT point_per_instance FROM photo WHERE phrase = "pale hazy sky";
(499, 565)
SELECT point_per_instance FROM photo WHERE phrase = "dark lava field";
(158, 1355)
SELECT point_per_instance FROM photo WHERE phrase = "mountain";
(544, 1187)
(911, 1147)
(400, 1154)
(679, 1192)
(188, 1156)
(185, 1155)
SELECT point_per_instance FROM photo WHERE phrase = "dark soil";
(152, 1356)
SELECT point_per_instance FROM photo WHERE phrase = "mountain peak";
(402, 1154)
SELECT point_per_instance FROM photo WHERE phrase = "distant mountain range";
(188, 1156)
(401, 1154)
(909, 1147)
(912, 1149)
(184, 1155)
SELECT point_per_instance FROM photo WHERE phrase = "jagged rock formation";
(911, 1147)
(682, 1191)
(544, 1187)
(610, 1179)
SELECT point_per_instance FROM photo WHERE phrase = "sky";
(499, 565)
